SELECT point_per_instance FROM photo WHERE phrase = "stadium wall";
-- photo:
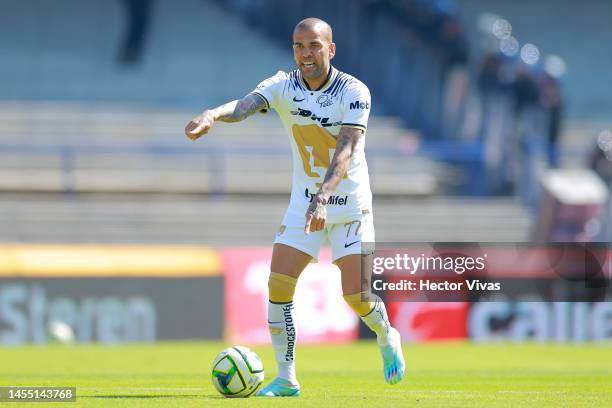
(110, 294)
(133, 293)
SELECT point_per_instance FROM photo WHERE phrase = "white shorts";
(345, 238)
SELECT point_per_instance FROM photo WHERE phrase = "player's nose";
(305, 53)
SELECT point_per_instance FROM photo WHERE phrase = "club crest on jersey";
(324, 101)
(308, 114)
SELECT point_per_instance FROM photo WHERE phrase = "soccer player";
(325, 113)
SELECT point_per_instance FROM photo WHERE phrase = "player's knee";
(281, 287)
(362, 303)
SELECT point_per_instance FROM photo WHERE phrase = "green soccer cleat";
(393, 359)
(279, 387)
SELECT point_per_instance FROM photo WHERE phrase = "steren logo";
(359, 105)
(323, 121)
(333, 200)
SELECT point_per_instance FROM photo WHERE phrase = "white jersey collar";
(331, 75)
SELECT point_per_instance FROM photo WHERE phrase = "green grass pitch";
(439, 375)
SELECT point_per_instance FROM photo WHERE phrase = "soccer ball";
(61, 332)
(237, 372)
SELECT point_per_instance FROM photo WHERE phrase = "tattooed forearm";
(347, 139)
(236, 111)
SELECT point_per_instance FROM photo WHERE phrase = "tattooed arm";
(234, 111)
(345, 144)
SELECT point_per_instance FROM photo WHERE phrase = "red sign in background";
(320, 311)
(425, 321)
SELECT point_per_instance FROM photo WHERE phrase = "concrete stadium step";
(253, 177)
(85, 124)
(74, 54)
(242, 220)
(110, 148)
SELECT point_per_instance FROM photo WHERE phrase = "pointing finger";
(307, 226)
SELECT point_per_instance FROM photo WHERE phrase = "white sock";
(284, 336)
(378, 321)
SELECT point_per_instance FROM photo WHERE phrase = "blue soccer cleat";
(393, 359)
(279, 387)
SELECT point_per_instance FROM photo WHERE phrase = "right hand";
(316, 214)
(200, 125)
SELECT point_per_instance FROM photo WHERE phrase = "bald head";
(316, 25)
(313, 49)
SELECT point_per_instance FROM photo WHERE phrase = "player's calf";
(373, 313)
(283, 330)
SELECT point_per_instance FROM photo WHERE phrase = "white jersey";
(312, 119)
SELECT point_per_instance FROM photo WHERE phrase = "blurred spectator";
(494, 82)
(138, 13)
(526, 91)
(600, 159)
(488, 78)
(529, 135)
(455, 76)
(551, 100)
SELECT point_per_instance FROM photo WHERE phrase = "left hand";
(200, 125)
(316, 214)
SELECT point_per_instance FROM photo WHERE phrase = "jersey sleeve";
(356, 106)
(270, 89)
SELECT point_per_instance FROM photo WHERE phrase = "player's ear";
(332, 50)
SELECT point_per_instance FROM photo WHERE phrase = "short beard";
(317, 74)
